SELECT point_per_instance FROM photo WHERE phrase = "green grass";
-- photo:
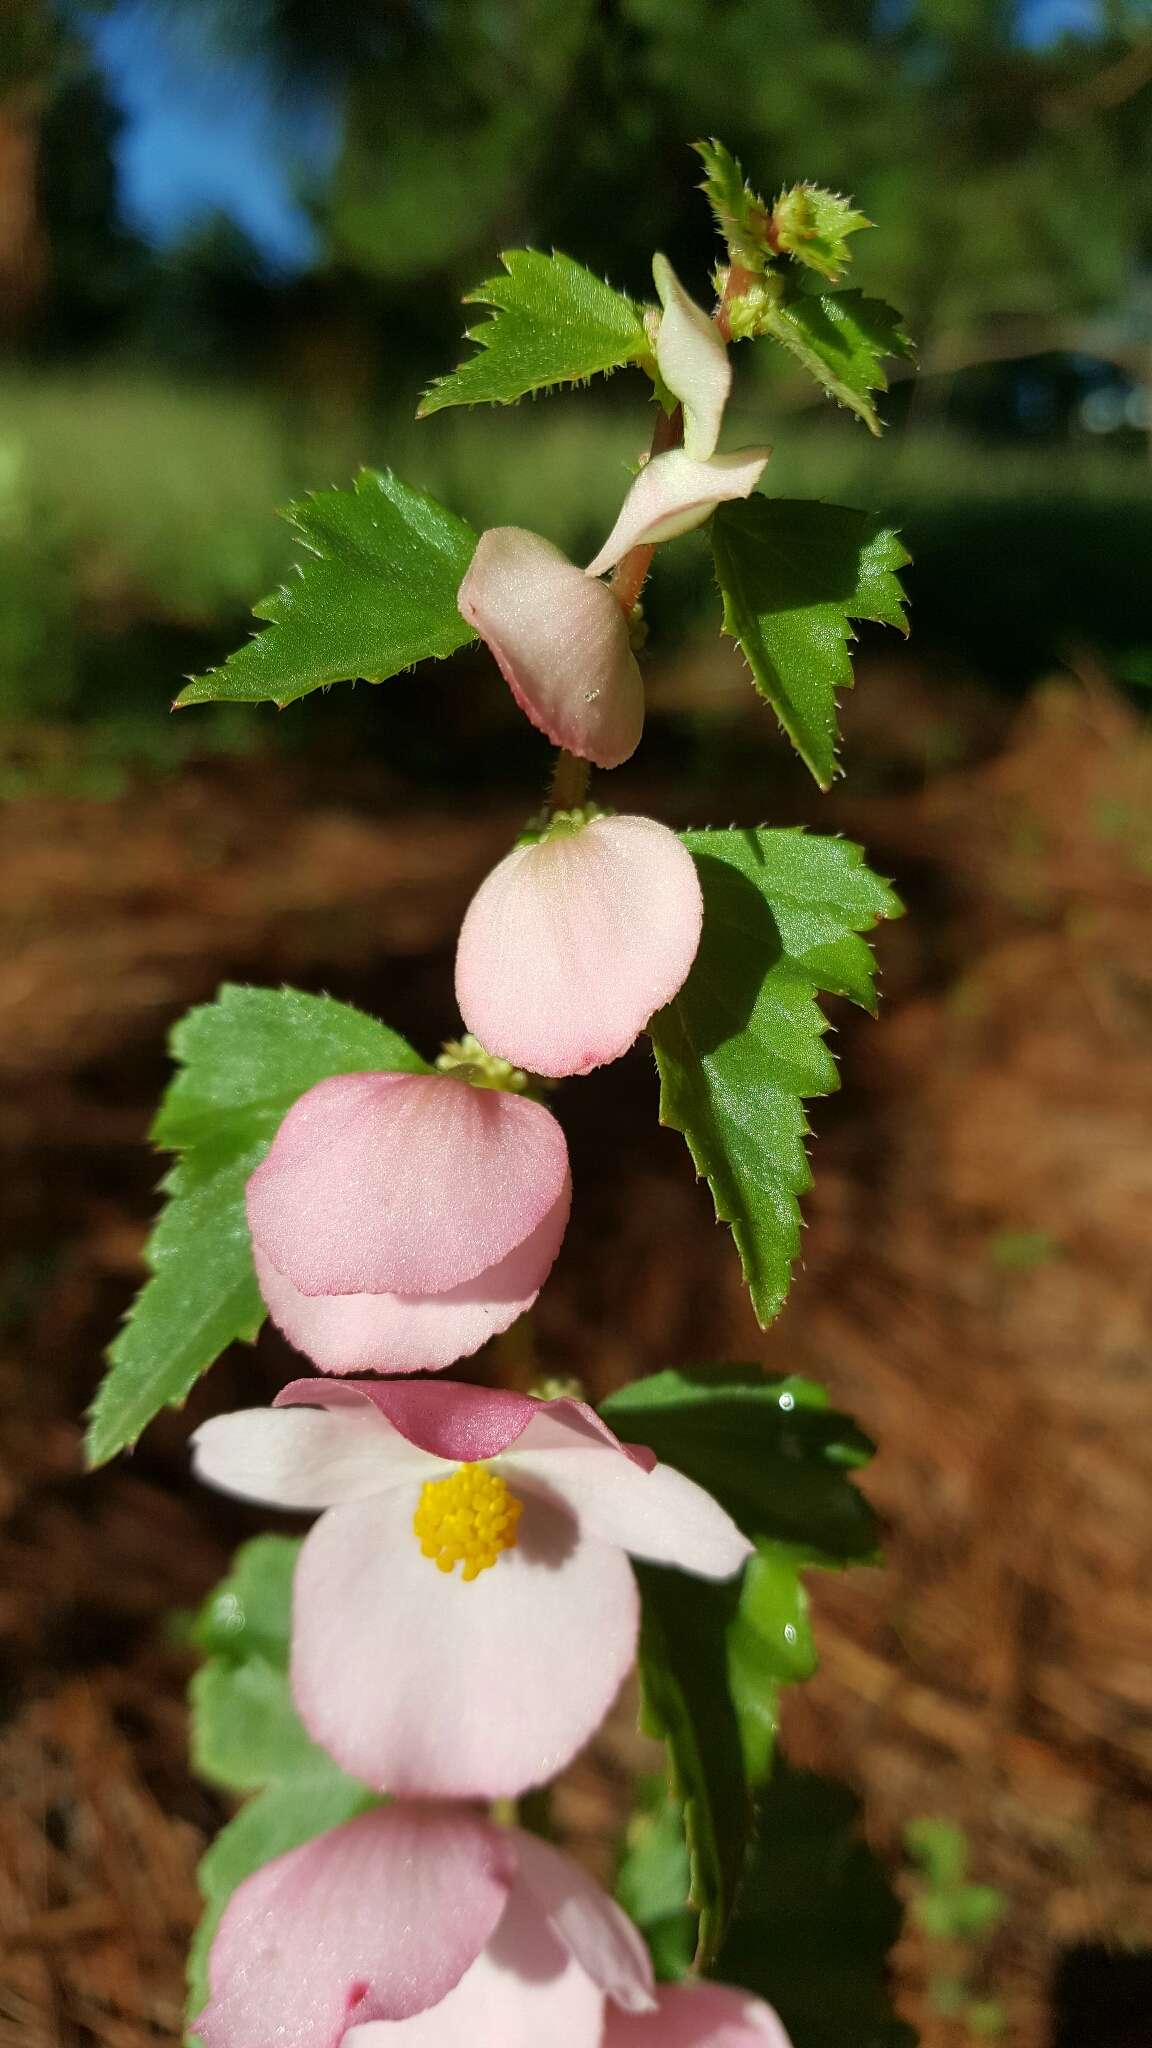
(170, 488)
(131, 506)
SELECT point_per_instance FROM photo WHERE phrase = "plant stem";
(630, 574)
(569, 782)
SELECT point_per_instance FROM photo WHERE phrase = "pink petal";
(672, 494)
(572, 943)
(589, 1923)
(301, 1458)
(698, 2016)
(413, 1332)
(524, 1989)
(428, 1687)
(373, 1921)
(466, 1424)
(657, 1514)
(403, 1183)
(561, 641)
(693, 361)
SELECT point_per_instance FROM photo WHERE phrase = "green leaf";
(939, 1847)
(201, 1297)
(654, 1881)
(250, 1054)
(740, 213)
(553, 323)
(246, 1736)
(772, 1452)
(683, 1662)
(793, 576)
(245, 1729)
(376, 594)
(841, 338)
(278, 1819)
(249, 1614)
(245, 1060)
(714, 1657)
(742, 1044)
(816, 1919)
(813, 226)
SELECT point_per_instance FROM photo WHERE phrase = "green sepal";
(375, 594)
(553, 322)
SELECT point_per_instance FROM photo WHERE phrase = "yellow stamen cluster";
(468, 1519)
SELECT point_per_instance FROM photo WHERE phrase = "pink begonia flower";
(573, 942)
(429, 1682)
(695, 2016)
(400, 1220)
(693, 361)
(561, 641)
(420, 1925)
(672, 494)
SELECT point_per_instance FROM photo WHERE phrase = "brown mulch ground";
(977, 1291)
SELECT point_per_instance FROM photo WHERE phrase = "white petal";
(524, 1988)
(589, 1923)
(698, 2016)
(693, 361)
(659, 1515)
(672, 494)
(428, 1687)
(303, 1458)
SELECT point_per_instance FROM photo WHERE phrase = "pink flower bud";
(424, 1925)
(572, 943)
(693, 361)
(672, 494)
(697, 2016)
(399, 1220)
(561, 642)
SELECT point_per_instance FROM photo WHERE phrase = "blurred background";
(234, 235)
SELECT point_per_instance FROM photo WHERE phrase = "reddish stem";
(631, 572)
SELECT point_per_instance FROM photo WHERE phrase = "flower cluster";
(465, 1608)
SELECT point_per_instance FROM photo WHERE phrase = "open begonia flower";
(574, 941)
(561, 642)
(672, 494)
(420, 1925)
(696, 2016)
(400, 1220)
(693, 361)
(430, 1681)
